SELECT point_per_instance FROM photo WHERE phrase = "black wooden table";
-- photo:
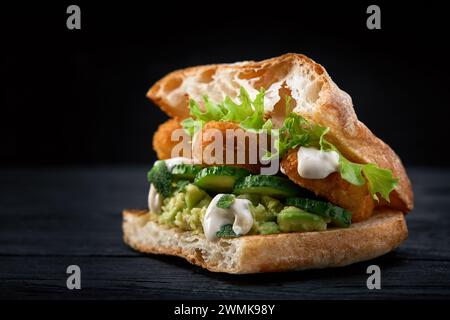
(55, 217)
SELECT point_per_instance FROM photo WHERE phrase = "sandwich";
(265, 167)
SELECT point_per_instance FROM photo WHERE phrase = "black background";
(73, 102)
(78, 96)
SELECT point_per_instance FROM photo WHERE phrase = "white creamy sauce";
(155, 200)
(172, 162)
(237, 214)
(316, 164)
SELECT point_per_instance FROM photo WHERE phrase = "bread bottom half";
(365, 240)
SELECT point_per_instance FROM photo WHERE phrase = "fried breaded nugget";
(243, 143)
(356, 199)
(163, 142)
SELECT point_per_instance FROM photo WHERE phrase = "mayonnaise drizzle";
(155, 200)
(238, 214)
(316, 164)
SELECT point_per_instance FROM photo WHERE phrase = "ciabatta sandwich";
(265, 167)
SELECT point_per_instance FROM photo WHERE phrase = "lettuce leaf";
(351, 172)
(213, 112)
(250, 114)
(255, 120)
(191, 126)
(236, 112)
(379, 181)
(298, 131)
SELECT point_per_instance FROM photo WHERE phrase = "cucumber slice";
(185, 171)
(339, 216)
(272, 186)
(219, 179)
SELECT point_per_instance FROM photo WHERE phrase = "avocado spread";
(186, 208)
(233, 202)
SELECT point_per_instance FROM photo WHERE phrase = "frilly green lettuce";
(250, 114)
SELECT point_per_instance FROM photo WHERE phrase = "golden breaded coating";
(241, 146)
(162, 139)
(356, 199)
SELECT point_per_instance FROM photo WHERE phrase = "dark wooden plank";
(67, 211)
(55, 217)
(173, 278)
(77, 211)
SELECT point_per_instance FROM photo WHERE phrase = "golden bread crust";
(381, 233)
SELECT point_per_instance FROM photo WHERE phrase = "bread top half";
(314, 96)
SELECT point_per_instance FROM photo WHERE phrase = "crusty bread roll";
(381, 233)
(315, 95)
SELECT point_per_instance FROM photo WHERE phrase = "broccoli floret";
(161, 178)
(226, 231)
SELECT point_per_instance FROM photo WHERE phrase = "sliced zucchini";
(219, 179)
(272, 186)
(339, 216)
(185, 171)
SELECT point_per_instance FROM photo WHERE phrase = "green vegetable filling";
(185, 209)
(161, 178)
(185, 202)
